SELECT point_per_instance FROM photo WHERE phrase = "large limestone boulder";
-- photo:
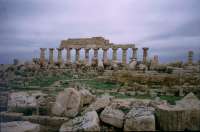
(176, 118)
(122, 104)
(19, 126)
(94, 61)
(86, 97)
(99, 104)
(87, 122)
(140, 119)
(113, 117)
(67, 103)
(185, 115)
(132, 65)
(142, 67)
(115, 64)
(100, 64)
(189, 101)
(25, 99)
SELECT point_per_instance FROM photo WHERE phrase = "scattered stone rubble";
(107, 113)
(19, 126)
(87, 122)
(31, 99)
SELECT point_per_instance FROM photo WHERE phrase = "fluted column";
(190, 57)
(96, 53)
(124, 55)
(155, 59)
(95, 57)
(105, 58)
(145, 54)
(68, 55)
(114, 55)
(42, 56)
(60, 55)
(134, 55)
(78, 54)
(87, 55)
(51, 60)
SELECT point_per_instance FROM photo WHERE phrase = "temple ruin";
(88, 44)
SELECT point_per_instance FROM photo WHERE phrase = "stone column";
(68, 57)
(42, 56)
(87, 55)
(114, 54)
(60, 55)
(124, 55)
(77, 54)
(51, 59)
(145, 54)
(96, 53)
(105, 58)
(95, 57)
(190, 57)
(155, 59)
(134, 55)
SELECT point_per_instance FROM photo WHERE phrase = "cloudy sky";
(168, 27)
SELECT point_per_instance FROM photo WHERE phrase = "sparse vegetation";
(101, 85)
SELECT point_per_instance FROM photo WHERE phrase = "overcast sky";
(170, 28)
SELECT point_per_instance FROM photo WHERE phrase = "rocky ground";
(62, 99)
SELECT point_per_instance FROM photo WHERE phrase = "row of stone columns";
(77, 52)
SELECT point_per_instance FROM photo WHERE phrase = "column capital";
(43, 48)
(67, 48)
(124, 48)
(51, 48)
(105, 49)
(59, 48)
(145, 48)
(114, 48)
(190, 53)
(77, 48)
(134, 49)
(95, 48)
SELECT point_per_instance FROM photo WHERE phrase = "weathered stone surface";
(88, 122)
(99, 104)
(100, 64)
(140, 119)
(25, 99)
(115, 64)
(19, 126)
(121, 104)
(185, 115)
(132, 65)
(189, 101)
(53, 121)
(174, 118)
(10, 116)
(86, 97)
(142, 67)
(157, 101)
(113, 117)
(67, 103)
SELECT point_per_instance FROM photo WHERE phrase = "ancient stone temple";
(88, 44)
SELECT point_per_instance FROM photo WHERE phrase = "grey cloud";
(27, 25)
(188, 29)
